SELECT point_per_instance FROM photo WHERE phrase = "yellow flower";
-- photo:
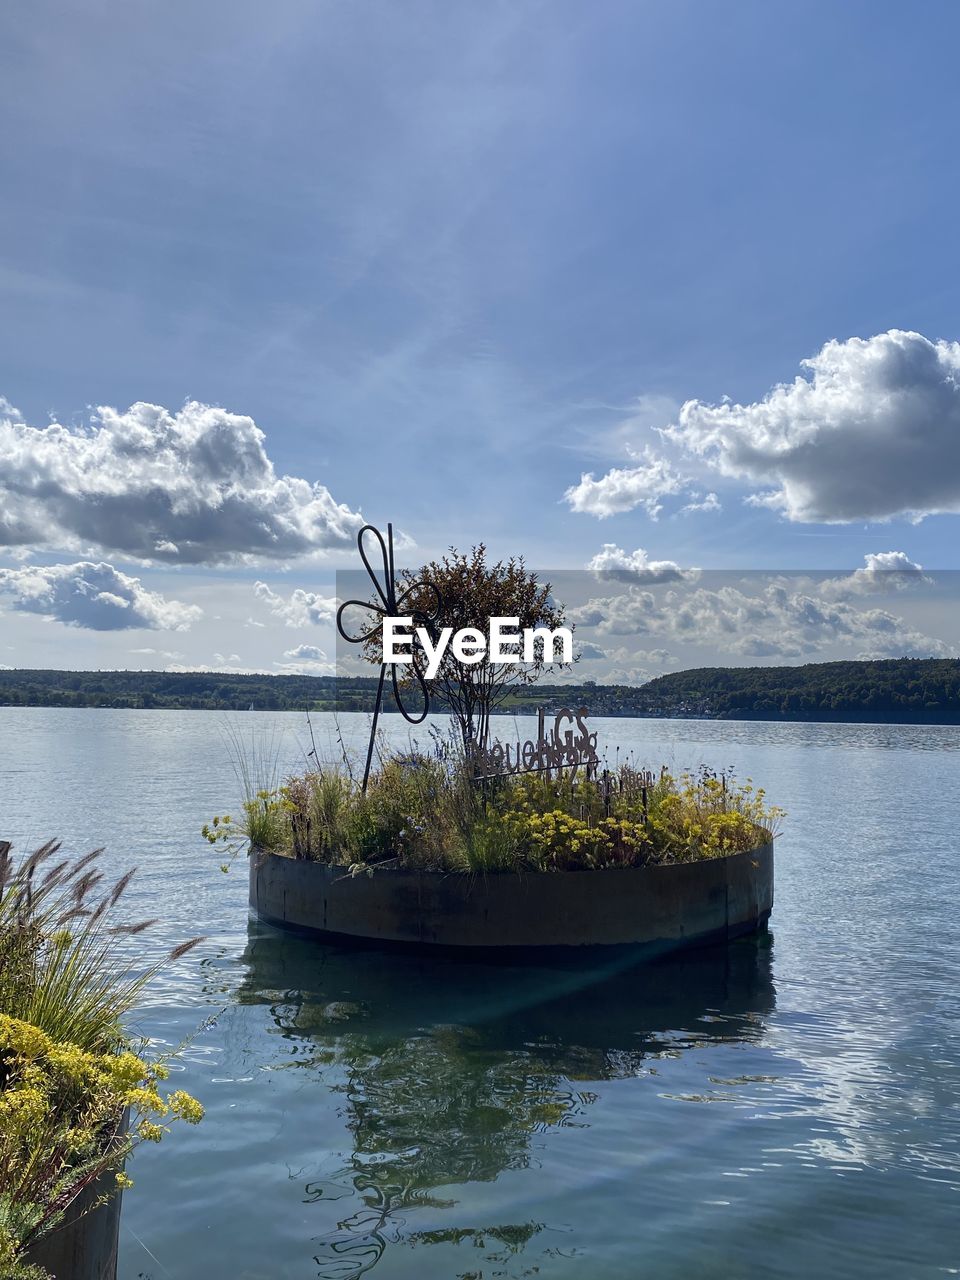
(186, 1107)
(126, 1069)
(146, 1100)
(23, 1038)
(22, 1107)
(71, 1061)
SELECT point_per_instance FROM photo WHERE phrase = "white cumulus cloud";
(882, 571)
(658, 657)
(870, 431)
(628, 676)
(624, 488)
(300, 608)
(97, 597)
(613, 563)
(305, 653)
(305, 660)
(194, 487)
(773, 621)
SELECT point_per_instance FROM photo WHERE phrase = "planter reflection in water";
(450, 1075)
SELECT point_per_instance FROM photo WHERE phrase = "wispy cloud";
(709, 502)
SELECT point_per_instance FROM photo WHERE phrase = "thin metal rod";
(373, 726)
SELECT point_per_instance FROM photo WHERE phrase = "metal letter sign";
(568, 745)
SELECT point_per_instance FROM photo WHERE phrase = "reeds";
(60, 966)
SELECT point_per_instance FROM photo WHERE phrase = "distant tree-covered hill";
(910, 690)
(198, 690)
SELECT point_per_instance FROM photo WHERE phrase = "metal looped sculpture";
(390, 605)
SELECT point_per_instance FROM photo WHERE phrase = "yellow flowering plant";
(58, 1099)
(558, 841)
(428, 810)
(75, 1098)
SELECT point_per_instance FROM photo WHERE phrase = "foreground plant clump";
(426, 811)
(76, 1092)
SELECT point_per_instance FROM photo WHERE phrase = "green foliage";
(426, 811)
(68, 1072)
(471, 591)
(256, 763)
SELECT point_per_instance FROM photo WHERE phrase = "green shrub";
(427, 811)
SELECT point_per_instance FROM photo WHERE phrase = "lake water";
(788, 1107)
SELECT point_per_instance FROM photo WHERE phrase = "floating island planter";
(437, 853)
(503, 847)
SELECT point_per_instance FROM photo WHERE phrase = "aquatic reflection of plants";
(449, 1071)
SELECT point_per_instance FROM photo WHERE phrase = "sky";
(608, 286)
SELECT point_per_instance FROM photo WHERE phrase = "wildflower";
(127, 1070)
(185, 1107)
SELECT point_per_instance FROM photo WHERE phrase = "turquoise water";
(788, 1107)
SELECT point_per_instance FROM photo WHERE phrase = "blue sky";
(450, 258)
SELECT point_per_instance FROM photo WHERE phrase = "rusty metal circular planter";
(661, 908)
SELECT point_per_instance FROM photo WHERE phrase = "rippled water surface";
(788, 1107)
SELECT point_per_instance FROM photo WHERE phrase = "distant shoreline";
(680, 719)
(889, 691)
